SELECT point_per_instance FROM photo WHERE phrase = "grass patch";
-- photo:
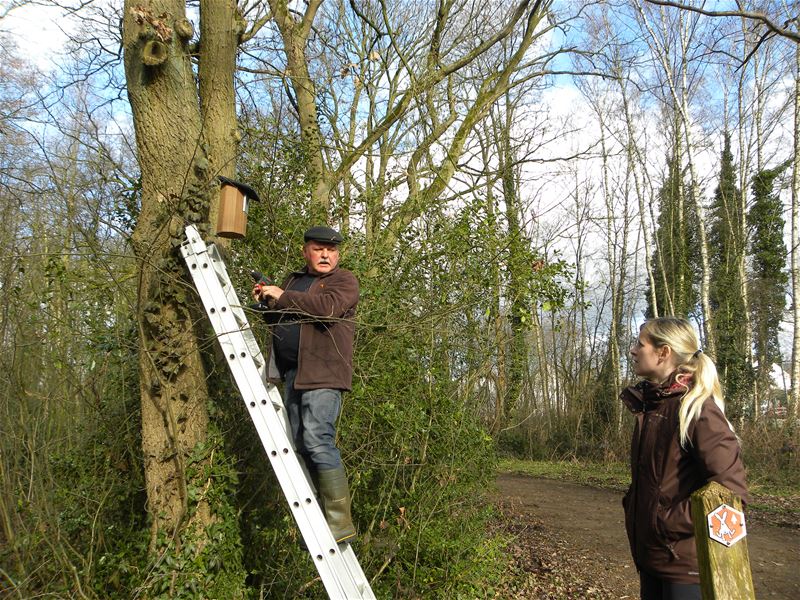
(615, 476)
(767, 484)
(774, 501)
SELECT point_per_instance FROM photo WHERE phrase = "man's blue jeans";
(312, 416)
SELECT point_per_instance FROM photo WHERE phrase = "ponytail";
(704, 383)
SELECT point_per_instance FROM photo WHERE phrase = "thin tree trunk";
(705, 262)
(741, 234)
(615, 273)
(220, 28)
(795, 368)
(497, 322)
(669, 291)
(537, 331)
(635, 161)
(705, 285)
(518, 267)
(295, 34)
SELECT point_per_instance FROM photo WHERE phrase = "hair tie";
(698, 353)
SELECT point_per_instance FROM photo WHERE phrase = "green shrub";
(771, 453)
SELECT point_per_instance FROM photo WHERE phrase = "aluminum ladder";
(337, 564)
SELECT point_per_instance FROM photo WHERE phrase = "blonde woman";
(681, 441)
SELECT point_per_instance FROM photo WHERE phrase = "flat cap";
(323, 234)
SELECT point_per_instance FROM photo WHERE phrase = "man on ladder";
(312, 332)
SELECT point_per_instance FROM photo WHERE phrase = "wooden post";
(720, 535)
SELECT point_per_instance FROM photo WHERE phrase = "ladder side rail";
(262, 407)
(354, 567)
(205, 256)
(274, 415)
(302, 504)
(235, 305)
(298, 493)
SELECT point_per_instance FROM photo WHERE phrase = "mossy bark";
(724, 570)
(174, 167)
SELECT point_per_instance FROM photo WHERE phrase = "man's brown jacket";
(657, 506)
(325, 355)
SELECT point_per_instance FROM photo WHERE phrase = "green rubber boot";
(336, 504)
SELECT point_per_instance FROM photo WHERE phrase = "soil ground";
(570, 543)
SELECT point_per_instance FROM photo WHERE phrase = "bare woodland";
(520, 185)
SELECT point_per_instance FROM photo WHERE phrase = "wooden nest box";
(234, 198)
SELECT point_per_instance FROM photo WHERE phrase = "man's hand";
(266, 293)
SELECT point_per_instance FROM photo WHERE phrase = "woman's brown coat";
(664, 475)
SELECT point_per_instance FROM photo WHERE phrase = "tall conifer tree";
(769, 278)
(674, 259)
(726, 292)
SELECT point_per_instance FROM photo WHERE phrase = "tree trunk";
(795, 395)
(519, 269)
(616, 275)
(634, 158)
(496, 326)
(174, 171)
(220, 29)
(295, 34)
(705, 284)
(741, 233)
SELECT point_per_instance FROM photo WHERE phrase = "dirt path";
(587, 523)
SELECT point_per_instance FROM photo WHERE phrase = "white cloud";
(38, 32)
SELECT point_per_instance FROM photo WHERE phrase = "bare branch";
(258, 24)
(781, 30)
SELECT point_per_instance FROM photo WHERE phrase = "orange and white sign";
(726, 525)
